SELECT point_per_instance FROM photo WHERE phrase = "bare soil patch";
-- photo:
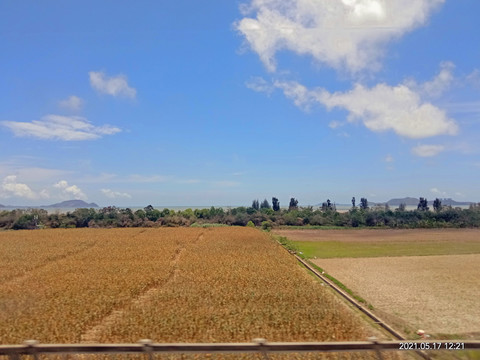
(439, 294)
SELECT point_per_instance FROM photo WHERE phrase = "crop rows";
(168, 285)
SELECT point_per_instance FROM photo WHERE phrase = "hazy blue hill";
(407, 201)
(72, 204)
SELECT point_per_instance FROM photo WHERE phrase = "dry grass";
(170, 285)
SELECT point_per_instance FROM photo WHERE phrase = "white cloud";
(259, 84)
(389, 158)
(115, 194)
(346, 34)
(438, 192)
(380, 108)
(73, 103)
(335, 124)
(115, 85)
(57, 127)
(394, 108)
(428, 150)
(10, 187)
(474, 78)
(438, 84)
(69, 192)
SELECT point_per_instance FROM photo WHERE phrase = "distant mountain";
(1, 206)
(409, 201)
(451, 202)
(72, 204)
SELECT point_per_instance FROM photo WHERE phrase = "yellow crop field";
(165, 284)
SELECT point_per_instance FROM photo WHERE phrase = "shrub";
(266, 225)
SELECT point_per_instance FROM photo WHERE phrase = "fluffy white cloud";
(57, 127)
(73, 103)
(10, 187)
(396, 108)
(115, 194)
(428, 150)
(380, 108)
(114, 85)
(69, 192)
(345, 34)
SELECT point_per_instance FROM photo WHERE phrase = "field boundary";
(355, 303)
(352, 300)
(260, 346)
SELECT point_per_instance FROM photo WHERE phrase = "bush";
(251, 224)
(266, 225)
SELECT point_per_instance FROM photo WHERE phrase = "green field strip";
(353, 249)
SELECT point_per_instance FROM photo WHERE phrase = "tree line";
(260, 214)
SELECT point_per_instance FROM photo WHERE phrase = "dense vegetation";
(259, 214)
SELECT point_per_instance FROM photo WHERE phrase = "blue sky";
(222, 102)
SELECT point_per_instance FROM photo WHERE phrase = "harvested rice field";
(415, 279)
(439, 294)
(165, 284)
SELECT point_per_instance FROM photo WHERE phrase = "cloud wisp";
(428, 150)
(72, 103)
(345, 34)
(113, 85)
(58, 127)
(115, 194)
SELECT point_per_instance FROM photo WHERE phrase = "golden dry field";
(437, 289)
(165, 284)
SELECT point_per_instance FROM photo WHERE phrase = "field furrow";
(172, 285)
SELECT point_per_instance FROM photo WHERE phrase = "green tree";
(423, 204)
(437, 205)
(265, 204)
(293, 204)
(364, 203)
(255, 204)
(353, 203)
(275, 204)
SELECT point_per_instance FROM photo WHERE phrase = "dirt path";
(93, 333)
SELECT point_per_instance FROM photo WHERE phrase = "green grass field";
(336, 249)
(380, 243)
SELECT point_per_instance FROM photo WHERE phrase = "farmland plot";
(169, 285)
(417, 279)
(439, 294)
